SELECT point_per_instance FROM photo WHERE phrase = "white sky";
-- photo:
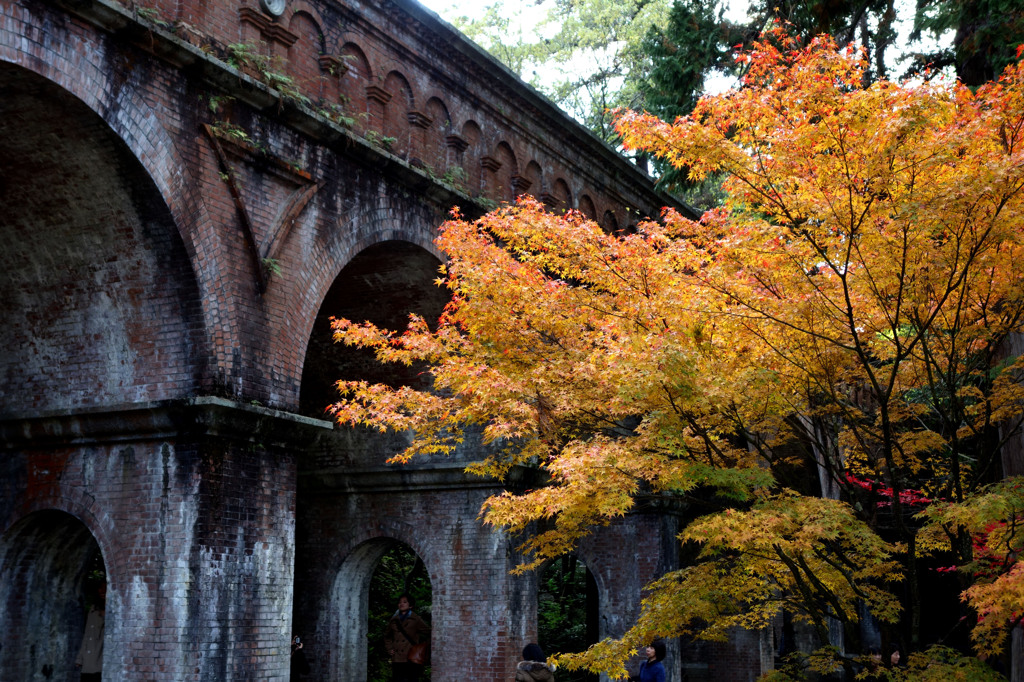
(536, 9)
(451, 8)
(532, 11)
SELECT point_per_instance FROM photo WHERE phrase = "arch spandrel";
(387, 216)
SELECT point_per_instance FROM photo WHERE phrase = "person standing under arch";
(404, 629)
(90, 656)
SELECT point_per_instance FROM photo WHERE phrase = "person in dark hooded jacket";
(533, 668)
(652, 670)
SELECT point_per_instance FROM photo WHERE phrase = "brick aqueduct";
(178, 222)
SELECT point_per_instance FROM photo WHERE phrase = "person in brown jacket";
(404, 629)
(533, 667)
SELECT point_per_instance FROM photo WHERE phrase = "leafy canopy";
(850, 302)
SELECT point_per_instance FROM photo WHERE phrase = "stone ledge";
(398, 477)
(391, 479)
(201, 416)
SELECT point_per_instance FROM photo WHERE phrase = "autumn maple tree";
(845, 315)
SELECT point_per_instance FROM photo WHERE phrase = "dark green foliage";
(399, 571)
(986, 34)
(565, 610)
(694, 43)
(698, 42)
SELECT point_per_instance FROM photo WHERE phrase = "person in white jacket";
(90, 656)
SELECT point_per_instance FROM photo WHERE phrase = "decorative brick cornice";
(377, 94)
(457, 143)
(550, 200)
(419, 119)
(271, 31)
(250, 16)
(333, 65)
(279, 34)
(490, 163)
(520, 184)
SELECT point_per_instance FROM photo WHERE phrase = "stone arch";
(100, 299)
(129, 117)
(386, 216)
(469, 159)
(609, 223)
(587, 207)
(593, 599)
(534, 176)
(498, 171)
(346, 618)
(383, 283)
(435, 144)
(612, 595)
(44, 562)
(559, 199)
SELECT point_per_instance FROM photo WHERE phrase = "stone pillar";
(520, 185)
(192, 507)
(456, 149)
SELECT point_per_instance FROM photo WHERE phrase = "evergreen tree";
(986, 34)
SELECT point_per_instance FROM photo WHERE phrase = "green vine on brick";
(455, 176)
(232, 131)
(382, 141)
(246, 57)
(337, 114)
(150, 15)
(216, 102)
(272, 266)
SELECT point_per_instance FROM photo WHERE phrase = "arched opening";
(52, 599)
(568, 613)
(98, 301)
(364, 599)
(400, 571)
(383, 284)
